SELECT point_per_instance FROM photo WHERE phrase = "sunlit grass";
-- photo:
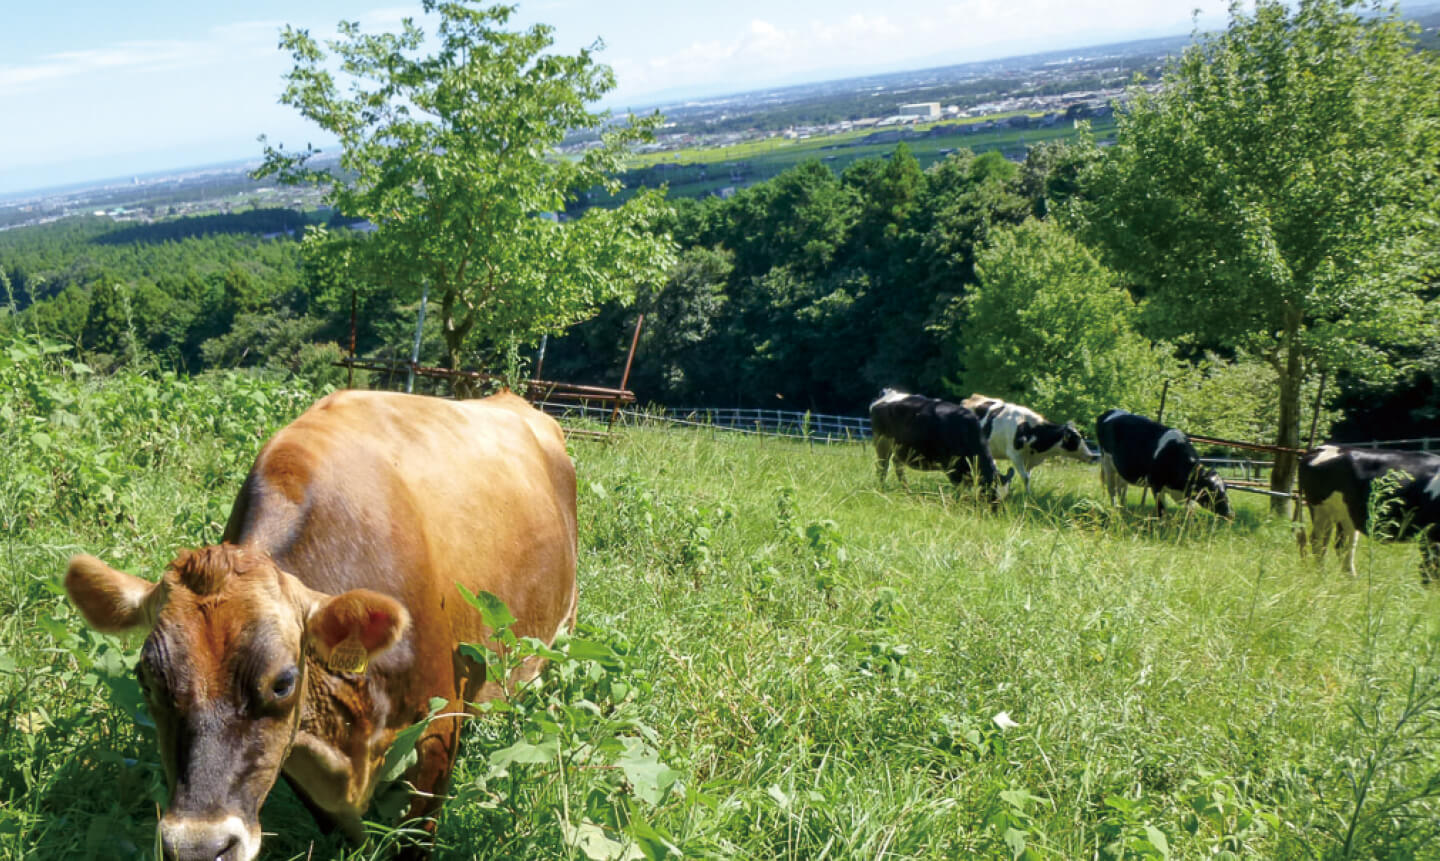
(835, 669)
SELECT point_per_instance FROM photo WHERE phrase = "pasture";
(695, 172)
(777, 659)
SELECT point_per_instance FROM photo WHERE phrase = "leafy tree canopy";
(1047, 327)
(447, 147)
(1279, 193)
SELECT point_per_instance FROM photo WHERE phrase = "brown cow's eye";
(284, 684)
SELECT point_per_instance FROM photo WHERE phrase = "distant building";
(923, 110)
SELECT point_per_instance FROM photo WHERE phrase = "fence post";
(625, 378)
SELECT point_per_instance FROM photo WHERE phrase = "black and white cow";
(1137, 450)
(926, 433)
(1024, 437)
(1336, 485)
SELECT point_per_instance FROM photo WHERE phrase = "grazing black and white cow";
(1137, 450)
(1336, 484)
(1023, 436)
(925, 433)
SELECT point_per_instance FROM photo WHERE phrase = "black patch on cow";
(1131, 441)
(1070, 438)
(1353, 472)
(933, 434)
(1042, 437)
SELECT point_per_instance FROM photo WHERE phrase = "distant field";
(814, 667)
(697, 172)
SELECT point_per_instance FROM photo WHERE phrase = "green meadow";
(777, 658)
(695, 172)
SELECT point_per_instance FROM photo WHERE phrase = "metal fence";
(812, 427)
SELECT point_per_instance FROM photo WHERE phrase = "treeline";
(189, 293)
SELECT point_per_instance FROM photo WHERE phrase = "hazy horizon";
(103, 92)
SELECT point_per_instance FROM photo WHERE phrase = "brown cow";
(330, 616)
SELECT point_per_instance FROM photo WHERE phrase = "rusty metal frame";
(537, 391)
(1252, 446)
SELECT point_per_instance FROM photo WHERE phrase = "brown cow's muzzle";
(226, 839)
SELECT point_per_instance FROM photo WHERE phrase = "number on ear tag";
(348, 656)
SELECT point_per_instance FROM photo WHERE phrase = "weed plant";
(778, 658)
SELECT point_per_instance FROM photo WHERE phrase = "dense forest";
(189, 294)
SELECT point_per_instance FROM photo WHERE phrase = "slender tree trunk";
(1291, 372)
(454, 332)
(454, 339)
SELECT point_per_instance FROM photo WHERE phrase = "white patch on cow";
(1004, 421)
(889, 396)
(978, 402)
(1327, 452)
(1171, 436)
(1432, 487)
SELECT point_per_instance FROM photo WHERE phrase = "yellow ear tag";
(348, 656)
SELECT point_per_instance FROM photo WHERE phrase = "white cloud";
(386, 19)
(856, 28)
(231, 43)
(778, 49)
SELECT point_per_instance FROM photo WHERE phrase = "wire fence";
(810, 427)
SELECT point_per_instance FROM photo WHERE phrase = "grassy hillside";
(782, 660)
(698, 172)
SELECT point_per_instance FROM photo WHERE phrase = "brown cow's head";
(224, 675)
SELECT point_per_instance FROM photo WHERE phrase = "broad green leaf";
(650, 778)
(1157, 839)
(592, 841)
(525, 753)
(492, 610)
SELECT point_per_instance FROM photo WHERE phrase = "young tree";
(1279, 192)
(1048, 328)
(451, 155)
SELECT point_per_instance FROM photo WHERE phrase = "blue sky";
(93, 89)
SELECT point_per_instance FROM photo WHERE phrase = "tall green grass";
(796, 662)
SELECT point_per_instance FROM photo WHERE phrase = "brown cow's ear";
(111, 601)
(350, 629)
